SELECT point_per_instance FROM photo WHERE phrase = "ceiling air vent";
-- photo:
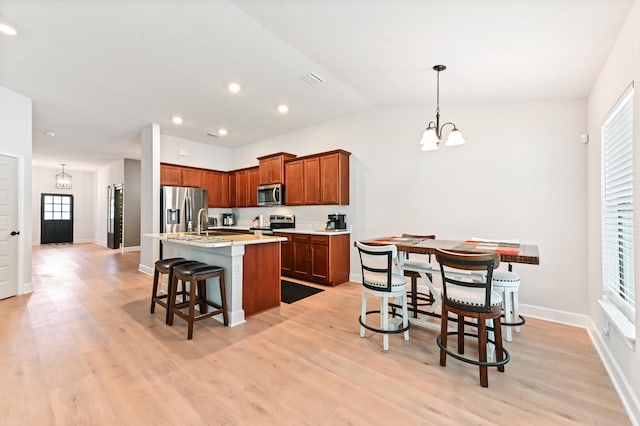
(312, 79)
(213, 135)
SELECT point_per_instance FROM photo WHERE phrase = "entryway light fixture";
(433, 134)
(63, 180)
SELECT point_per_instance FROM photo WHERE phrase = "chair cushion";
(505, 279)
(188, 269)
(380, 280)
(207, 269)
(472, 296)
(163, 265)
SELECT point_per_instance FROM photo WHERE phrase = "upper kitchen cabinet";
(272, 168)
(253, 180)
(170, 175)
(192, 177)
(246, 187)
(318, 179)
(217, 184)
(334, 178)
(173, 175)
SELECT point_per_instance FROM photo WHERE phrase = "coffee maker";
(228, 219)
(336, 221)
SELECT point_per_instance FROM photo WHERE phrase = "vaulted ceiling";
(98, 71)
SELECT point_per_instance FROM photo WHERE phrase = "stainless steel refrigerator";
(180, 206)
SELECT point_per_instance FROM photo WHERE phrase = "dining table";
(510, 252)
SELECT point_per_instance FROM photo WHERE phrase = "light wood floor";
(83, 349)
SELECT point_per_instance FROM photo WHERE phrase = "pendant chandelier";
(63, 180)
(433, 134)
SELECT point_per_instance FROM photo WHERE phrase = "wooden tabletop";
(509, 252)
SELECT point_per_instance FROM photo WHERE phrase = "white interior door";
(9, 233)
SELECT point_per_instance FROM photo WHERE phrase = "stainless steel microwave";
(271, 195)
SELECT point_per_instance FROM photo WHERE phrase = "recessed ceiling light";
(222, 132)
(177, 119)
(50, 133)
(7, 29)
(283, 109)
(234, 87)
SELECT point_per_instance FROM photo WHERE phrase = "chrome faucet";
(206, 219)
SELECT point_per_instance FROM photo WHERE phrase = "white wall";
(15, 141)
(521, 175)
(619, 71)
(82, 189)
(195, 154)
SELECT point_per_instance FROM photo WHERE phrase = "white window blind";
(617, 206)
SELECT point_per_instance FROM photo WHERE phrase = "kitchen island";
(251, 263)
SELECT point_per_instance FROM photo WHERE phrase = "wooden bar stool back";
(467, 292)
(197, 275)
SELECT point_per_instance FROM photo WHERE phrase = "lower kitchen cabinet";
(316, 258)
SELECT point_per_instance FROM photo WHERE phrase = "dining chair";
(380, 279)
(414, 265)
(467, 292)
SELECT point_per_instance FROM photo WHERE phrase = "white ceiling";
(98, 71)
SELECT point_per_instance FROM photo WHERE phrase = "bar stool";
(508, 283)
(197, 275)
(165, 267)
(467, 292)
(379, 279)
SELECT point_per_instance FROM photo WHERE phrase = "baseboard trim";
(629, 399)
(554, 315)
(132, 248)
(145, 269)
(25, 288)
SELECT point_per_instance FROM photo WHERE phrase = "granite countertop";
(214, 241)
(289, 230)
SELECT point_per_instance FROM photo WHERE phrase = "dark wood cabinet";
(300, 247)
(294, 186)
(316, 258)
(174, 175)
(286, 253)
(246, 187)
(217, 185)
(319, 256)
(334, 172)
(272, 168)
(318, 179)
(241, 188)
(310, 180)
(170, 175)
(192, 177)
(253, 180)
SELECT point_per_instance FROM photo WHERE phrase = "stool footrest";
(505, 359)
(511, 324)
(379, 330)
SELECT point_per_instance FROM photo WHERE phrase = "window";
(618, 274)
(56, 207)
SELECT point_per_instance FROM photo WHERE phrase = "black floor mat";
(292, 292)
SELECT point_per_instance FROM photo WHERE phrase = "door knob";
(15, 233)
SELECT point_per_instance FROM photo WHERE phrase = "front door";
(9, 233)
(56, 218)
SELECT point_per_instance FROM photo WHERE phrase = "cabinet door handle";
(15, 233)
